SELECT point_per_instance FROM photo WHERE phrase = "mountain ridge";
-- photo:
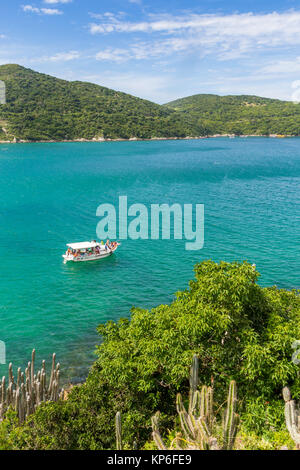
(240, 114)
(40, 107)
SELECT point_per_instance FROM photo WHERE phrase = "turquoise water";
(49, 196)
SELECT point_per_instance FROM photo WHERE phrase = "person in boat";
(107, 245)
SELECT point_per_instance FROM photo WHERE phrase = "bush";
(239, 330)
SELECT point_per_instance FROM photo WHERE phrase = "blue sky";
(159, 50)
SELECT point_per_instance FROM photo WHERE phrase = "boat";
(89, 251)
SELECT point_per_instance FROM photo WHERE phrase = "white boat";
(89, 251)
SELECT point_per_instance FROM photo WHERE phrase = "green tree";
(239, 330)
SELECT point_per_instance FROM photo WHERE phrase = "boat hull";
(84, 258)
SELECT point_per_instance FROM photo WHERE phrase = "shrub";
(239, 330)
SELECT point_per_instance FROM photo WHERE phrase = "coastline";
(138, 139)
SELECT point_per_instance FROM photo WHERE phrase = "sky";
(159, 50)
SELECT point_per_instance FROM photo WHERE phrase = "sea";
(250, 189)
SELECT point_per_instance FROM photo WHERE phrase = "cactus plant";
(26, 393)
(198, 423)
(230, 419)
(118, 431)
(156, 434)
(292, 416)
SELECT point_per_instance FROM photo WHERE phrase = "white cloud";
(235, 25)
(30, 8)
(54, 2)
(228, 36)
(286, 67)
(41, 11)
(65, 56)
(59, 57)
(113, 55)
(51, 11)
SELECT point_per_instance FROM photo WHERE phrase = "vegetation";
(198, 424)
(239, 331)
(28, 391)
(41, 107)
(292, 417)
(240, 115)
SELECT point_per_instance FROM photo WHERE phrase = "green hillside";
(240, 114)
(41, 107)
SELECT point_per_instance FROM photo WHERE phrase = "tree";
(239, 330)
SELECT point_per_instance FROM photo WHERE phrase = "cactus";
(231, 419)
(28, 391)
(118, 427)
(155, 434)
(292, 416)
(198, 423)
(118, 431)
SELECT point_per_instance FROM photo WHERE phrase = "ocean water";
(49, 195)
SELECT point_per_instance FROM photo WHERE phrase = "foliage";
(199, 427)
(269, 440)
(26, 392)
(240, 115)
(263, 414)
(239, 330)
(292, 416)
(41, 107)
(7, 428)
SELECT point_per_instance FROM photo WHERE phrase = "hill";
(240, 114)
(41, 107)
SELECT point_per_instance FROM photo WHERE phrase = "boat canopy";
(83, 245)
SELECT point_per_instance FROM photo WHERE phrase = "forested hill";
(41, 107)
(240, 114)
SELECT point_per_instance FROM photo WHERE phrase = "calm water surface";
(49, 196)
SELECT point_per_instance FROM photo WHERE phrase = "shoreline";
(138, 139)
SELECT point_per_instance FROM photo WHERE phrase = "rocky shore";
(137, 139)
